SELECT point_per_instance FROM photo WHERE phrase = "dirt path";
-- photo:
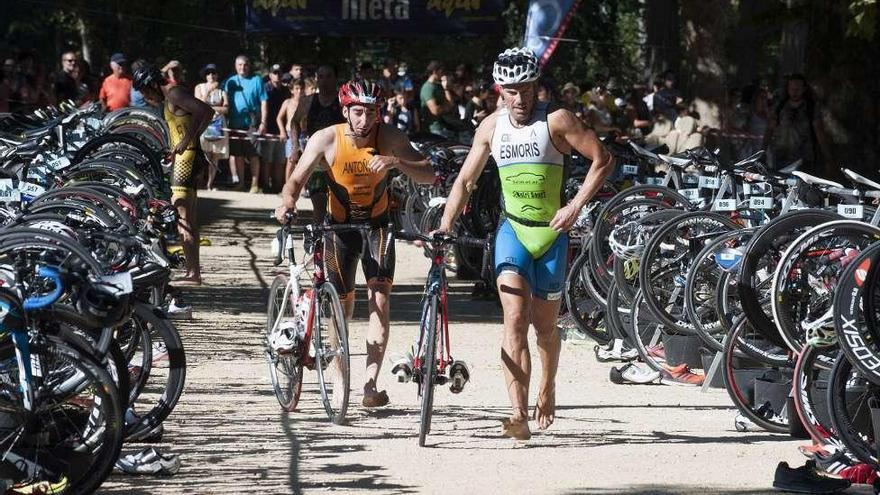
(607, 438)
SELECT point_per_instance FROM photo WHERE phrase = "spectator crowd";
(259, 125)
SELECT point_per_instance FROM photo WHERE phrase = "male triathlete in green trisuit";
(530, 143)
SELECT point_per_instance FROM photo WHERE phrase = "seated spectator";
(684, 135)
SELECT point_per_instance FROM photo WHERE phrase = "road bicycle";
(306, 326)
(431, 362)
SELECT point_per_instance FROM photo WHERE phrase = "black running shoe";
(805, 479)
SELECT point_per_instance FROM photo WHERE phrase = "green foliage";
(863, 23)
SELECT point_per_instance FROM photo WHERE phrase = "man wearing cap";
(116, 89)
(248, 107)
(271, 149)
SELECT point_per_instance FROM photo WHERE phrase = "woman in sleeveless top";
(214, 141)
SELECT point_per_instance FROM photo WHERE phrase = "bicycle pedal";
(459, 376)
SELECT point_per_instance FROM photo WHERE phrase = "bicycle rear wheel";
(330, 340)
(285, 369)
(429, 367)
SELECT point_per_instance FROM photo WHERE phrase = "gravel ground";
(607, 439)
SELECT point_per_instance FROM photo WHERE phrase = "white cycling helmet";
(627, 241)
(515, 66)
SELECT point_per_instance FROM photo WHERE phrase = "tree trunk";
(704, 39)
(662, 36)
(84, 41)
(746, 42)
(793, 46)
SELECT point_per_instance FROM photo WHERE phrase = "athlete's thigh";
(378, 260)
(511, 256)
(341, 253)
(550, 270)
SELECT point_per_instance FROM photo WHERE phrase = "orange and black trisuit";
(357, 195)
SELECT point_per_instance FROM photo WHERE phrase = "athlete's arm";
(319, 147)
(466, 181)
(403, 157)
(200, 116)
(568, 129)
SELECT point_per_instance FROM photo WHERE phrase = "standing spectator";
(366, 71)
(248, 103)
(215, 140)
(477, 108)
(401, 113)
(570, 101)
(316, 112)
(296, 71)
(464, 75)
(64, 85)
(438, 112)
(310, 87)
(285, 116)
(270, 148)
(795, 131)
(5, 92)
(637, 117)
(137, 98)
(649, 98)
(668, 97)
(390, 79)
(116, 90)
(173, 72)
(545, 91)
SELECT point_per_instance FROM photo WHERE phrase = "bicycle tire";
(701, 226)
(785, 302)
(813, 367)
(852, 427)
(162, 332)
(287, 393)
(853, 310)
(429, 368)
(696, 279)
(765, 244)
(737, 394)
(578, 301)
(327, 295)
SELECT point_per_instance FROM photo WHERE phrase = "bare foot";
(545, 409)
(517, 429)
(190, 280)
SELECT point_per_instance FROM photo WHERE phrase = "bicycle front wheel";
(428, 367)
(285, 369)
(332, 360)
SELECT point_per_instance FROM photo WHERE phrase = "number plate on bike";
(692, 194)
(761, 203)
(8, 192)
(654, 181)
(710, 182)
(851, 211)
(29, 189)
(629, 169)
(724, 205)
(59, 163)
(690, 179)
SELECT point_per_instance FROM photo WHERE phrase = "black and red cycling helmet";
(360, 92)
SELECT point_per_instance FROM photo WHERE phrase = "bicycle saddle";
(815, 181)
(860, 179)
(675, 161)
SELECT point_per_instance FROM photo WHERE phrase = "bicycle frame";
(293, 291)
(435, 287)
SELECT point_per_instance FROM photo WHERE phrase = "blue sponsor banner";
(546, 22)
(375, 17)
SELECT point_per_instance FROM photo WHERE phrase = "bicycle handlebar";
(442, 238)
(40, 302)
